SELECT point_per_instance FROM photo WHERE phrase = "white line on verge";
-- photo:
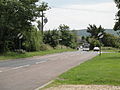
(40, 62)
(44, 85)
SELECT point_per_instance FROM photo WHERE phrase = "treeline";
(98, 37)
(17, 31)
(62, 36)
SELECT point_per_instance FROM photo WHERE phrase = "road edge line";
(44, 85)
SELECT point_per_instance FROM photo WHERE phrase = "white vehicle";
(96, 49)
(86, 47)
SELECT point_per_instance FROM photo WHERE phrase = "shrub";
(45, 47)
(94, 43)
(110, 40)
(20, 51)
(60, 47)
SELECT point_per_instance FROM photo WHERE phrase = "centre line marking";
(40, 62)
(1, 71)
(21, 67)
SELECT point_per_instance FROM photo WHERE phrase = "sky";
(78, 14)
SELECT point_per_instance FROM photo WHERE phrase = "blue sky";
(78, 14)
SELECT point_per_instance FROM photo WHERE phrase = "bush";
(60, 47)
(32, 40)
(110, 40)
(45, 47)
(20, 51)
(94, 43)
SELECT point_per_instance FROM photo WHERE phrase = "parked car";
(96, 49)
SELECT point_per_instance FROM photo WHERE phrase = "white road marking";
(1, 71)
(44, 85)
(40, 62)
(21, 67)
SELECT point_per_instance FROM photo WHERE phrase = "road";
(31, 73)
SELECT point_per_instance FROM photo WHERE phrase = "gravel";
(84, 87)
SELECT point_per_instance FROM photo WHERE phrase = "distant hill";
(84, 32)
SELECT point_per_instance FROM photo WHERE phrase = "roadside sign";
(101, 36)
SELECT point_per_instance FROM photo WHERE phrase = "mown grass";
(13, 55)
(101, 70)
(110, 49)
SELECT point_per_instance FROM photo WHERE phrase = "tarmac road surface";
(31, 73)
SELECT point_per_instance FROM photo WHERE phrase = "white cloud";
(79, 16)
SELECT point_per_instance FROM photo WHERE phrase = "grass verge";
(13, 55)
(110, 49)
(101, 70)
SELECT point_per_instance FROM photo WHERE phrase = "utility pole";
(43, 7)
(42, 20)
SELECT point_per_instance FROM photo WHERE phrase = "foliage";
(62, 36)
(16, 16)
(111, 40)
(94, 30)
(94, 43)
(83, 32)
(51, 38)
(61, 47)
(117, 24)
(32, 40)
(45, 47)
(69, 39)
(39, 26)
(20, 51)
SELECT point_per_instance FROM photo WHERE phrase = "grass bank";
(13, 55)
(101, 70)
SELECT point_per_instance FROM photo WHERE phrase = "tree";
(94, 30)
(16, 16)
(94, 43)
(39, 25)
(117, 24)
(61, 36)
(32, 40)
(51, 38)
(111, 40)
(68, 38)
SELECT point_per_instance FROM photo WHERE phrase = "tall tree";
(51, 37)
(117, 24)
(16, 16)
(94, 30)
(68, 38)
